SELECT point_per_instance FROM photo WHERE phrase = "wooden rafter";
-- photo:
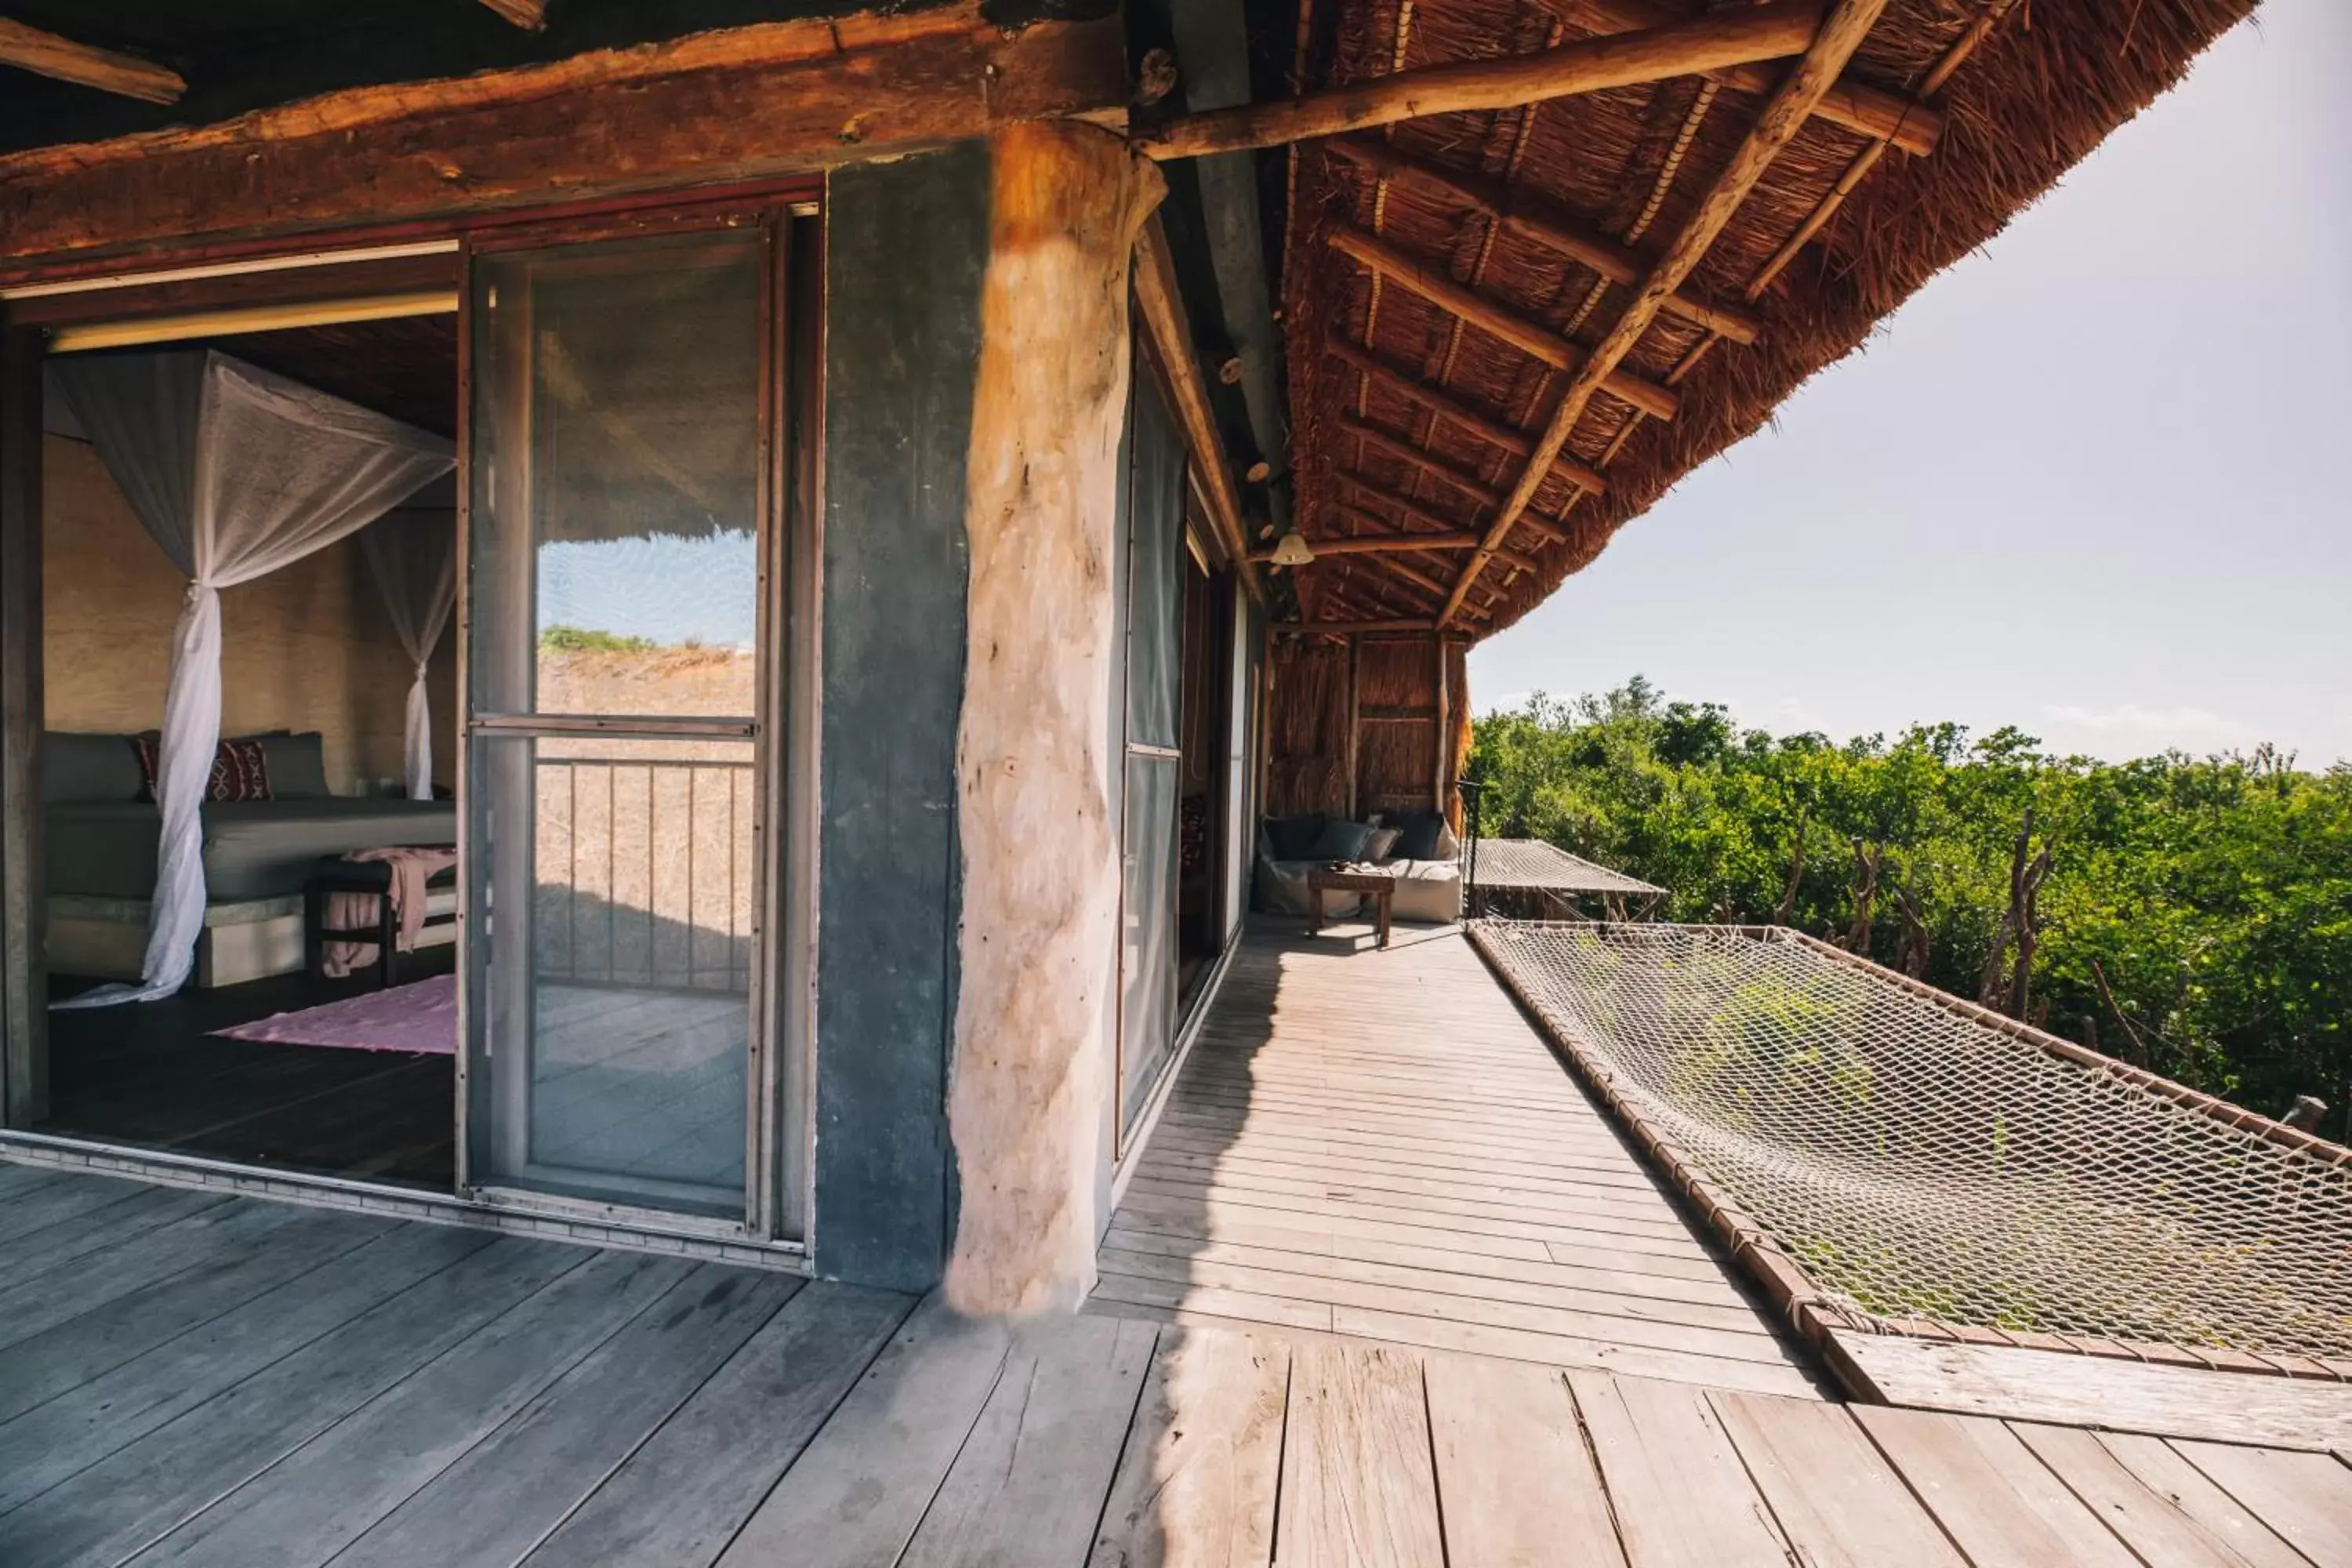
(1867, 159)
(1386, 539)
(47, 54)
(1414, 513)
(1725, 38)
(1429, 280)
(1907, 124)
(528, 14)
(1351, 628)
(1840, 35)
(1518, 443)
(1547, 223)
(1398, 446)
(1162, 307)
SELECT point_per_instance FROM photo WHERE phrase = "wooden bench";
(333, 875)
(1377, 886)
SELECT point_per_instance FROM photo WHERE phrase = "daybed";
(1416, 848)
(257, 855)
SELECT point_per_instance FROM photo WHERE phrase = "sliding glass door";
(618, 686)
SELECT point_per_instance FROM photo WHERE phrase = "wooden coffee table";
(1377, 886)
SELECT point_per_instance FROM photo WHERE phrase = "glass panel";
(1155, 555)
(616, 996)
(1149, 946)
(616, 474)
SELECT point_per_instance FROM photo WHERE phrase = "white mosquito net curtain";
(236, 473)
(414, 551)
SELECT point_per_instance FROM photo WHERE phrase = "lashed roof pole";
(86, 65)
(1841, 33)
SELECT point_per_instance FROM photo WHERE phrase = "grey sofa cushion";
(297, 764)
(1341, 840)
(1293, 837)
(1421, 831)
(76, 767)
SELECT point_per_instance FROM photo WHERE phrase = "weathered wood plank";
(2306, 1498)
(64, 1196)
(2166, 1509)
(1570, 1351)
(35, 1304)
(319, 1498)
(151, 1208)
(1996, 1500)
(70, 1355)
(1197, 1481)
(860, 1488)
(683, 1495)
(1358, 1485)
(1520, 1486)
(66, 1435)
(143, 1492)
(1682, 1496)
(1832, 1493)
(2099, 1391)
(515, 1487)
(1029, 1485)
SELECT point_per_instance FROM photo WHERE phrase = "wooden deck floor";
(1377, 1144)
(187, 1378)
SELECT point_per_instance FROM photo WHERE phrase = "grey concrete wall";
(905, 246)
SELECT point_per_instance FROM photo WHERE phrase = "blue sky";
(660, 586)
(2090, 481)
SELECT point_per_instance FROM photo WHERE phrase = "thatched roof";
(2014, 93)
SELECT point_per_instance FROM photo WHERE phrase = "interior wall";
(310, 647)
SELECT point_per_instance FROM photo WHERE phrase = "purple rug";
(422, 1016)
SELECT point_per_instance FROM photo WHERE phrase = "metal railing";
(644, 873)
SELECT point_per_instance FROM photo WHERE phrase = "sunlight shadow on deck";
(1377, 1144)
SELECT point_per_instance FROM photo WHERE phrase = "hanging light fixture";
(1292, 550)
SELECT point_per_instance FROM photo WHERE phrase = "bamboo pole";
(1590, 65)
(1518, 443)
(1162, 308)
(1530, 338)
(1546, 223)
(1839, 37)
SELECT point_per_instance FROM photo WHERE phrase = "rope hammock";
(1926, 1169)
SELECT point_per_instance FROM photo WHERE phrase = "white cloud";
(2133, 731)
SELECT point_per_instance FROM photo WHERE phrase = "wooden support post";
(1590, 65)
(1444, 726)
(1355, 721)
(62, 59)
(1039, 939)
(1783, 117)
(24, 985)
(1429, 280)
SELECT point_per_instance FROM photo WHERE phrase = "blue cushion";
(1294, 837)
(1341, 840)
(1419, 840)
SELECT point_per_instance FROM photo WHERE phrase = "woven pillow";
(240, 770)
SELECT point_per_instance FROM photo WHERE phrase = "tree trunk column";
(1039, 943)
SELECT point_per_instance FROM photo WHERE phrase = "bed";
(101, 848)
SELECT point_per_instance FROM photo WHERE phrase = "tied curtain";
(236, 473)
(414, 552)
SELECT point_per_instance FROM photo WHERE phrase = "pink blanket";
(412, 868)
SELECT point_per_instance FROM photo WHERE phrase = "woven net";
(1915, 1164)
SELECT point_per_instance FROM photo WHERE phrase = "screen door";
(616, 546)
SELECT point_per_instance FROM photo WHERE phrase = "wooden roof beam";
(85, 65)
(1881, 115)
(1681, 48)
(1162, 307)
(1350, 629)
(1546, 222)
(1397, 445)
(531, 16)
(1413, 511)
(1389, 543)
(1530, 338)
(1841, 34)
(1412, 389)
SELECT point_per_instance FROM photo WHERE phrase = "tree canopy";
(2193, 915)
